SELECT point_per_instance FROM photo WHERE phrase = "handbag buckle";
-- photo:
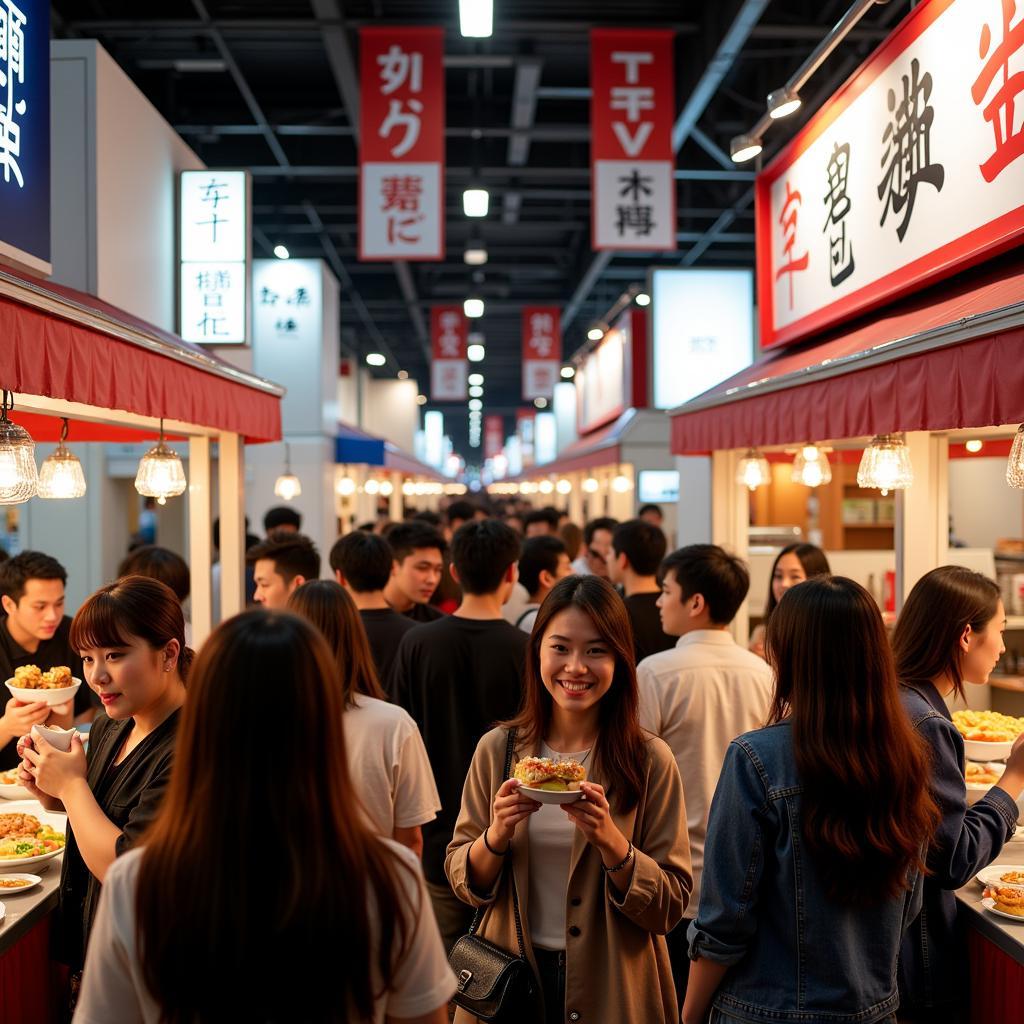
(464, 979)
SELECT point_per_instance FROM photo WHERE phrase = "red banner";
(542, 351)
(449, 366)
(401, 144)
(631, 109)
(494, 436)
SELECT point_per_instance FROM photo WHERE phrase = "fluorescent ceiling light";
(595, 334)
(541, 403)
(476, 392)
(281, 252)
(568, 372)
(475, 353)
(475, 255)
(473, 308)
(643, 299)
(375, 359)
(476, 18)
(475, 202)
(476, 379)
(403, 374)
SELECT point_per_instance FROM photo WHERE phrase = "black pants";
(679, 957)
(551, 964)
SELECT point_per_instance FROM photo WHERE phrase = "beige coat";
(617, 965)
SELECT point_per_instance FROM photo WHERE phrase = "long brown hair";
(943, 603)
(867, 810)
(814, 563)
(328, 606)
(619, 750)
(133, 606)
(257, 878)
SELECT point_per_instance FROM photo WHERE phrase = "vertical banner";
(633, 197)
(494, 436)
(449, 366)
(525, 430)
(401, 144)
(542, 351)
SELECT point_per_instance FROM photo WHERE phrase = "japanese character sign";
(449, 366)
(401, 151)
(914, 170)
(633, 200)
(542, 351)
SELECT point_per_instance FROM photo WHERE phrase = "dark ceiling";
(277, 92)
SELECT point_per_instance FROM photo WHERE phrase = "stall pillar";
(922, 513)
(730, 522)
(231, 486)
(576, 498)
(200, 554)
(395, 498)
(693, 510)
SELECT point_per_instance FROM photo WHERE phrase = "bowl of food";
(1006, 901)
(981, 777)
(988, 735)
(11, 788)
(31, 684)
(550, 781)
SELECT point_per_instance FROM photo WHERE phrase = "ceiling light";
(885, 464)
(568, 372)
(1015, 465)
(474, 441)
(564, 486)
(19, 480)
(387, 488)
(974, 446)
(541, 403)
(473, 308)
(753, 470)
(595, 333)
(476, 392)
(744, 148)
(60, 475)
(811, 467)
(475, 255)
(161, 474)
(546, 487)
(590, 485)
(345, 486)
(281, 252)
(475, 202)
(476, 18)
(475, 353)
(476, 379)
(375, 359)
(408, 488)
(782, 103)
(403, 374)
(287, 486)
(371, 486)
(475, 405)
(421, 399)
(643, 299)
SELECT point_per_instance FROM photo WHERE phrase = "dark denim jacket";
(968, 839)
(796, 956)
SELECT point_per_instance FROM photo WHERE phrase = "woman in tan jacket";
(599, 881)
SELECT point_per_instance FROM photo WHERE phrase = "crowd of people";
(305, 819)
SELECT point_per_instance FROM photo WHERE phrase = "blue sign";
(25, 132)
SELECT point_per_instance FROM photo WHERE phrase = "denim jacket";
(932, 974)
(796, 956)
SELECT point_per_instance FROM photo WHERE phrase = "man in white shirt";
(703, 693)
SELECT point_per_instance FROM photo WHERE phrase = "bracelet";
(491, 849)
(618, 867)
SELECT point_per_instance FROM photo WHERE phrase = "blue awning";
(352, 445)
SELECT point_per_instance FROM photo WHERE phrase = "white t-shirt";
(113, 988)
(527, 618)
(389, 765)
(516, 604)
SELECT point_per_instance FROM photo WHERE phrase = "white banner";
(634, 204)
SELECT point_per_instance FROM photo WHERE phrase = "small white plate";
(547, 796)
(33, 881)
(51, 697)
(15, 792)
(990, 905)
(991, 875)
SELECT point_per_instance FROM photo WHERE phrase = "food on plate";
(981, 774)
(18, 825)
(562, 776)
(14, 883)
(32, 677)
(23, 835)
(987, 726)
(1009, 901)
(9, 777)
(1013, 877)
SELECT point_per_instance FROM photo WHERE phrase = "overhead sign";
(214, 250)
(449, 366)
(494, 435)
(915, 169)
(631, 109)
(542, 351)
(25, 134)
(401, 144)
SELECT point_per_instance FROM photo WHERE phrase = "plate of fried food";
(11, 788)
(29, 835)
(30, 684)
(16, 884)
(1005, 901)
(550, 781)
(988, 735)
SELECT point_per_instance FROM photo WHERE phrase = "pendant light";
(1015, 467)
(60, 475)
(811, 467)
(287, 486)
(885, 464)
(161, 474)
(19, 480)
(753, 470)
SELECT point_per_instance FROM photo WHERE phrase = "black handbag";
(493, 984)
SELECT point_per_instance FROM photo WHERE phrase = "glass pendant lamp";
(60, 475)
(753, 470)
(19, 480)
(161, 474)
(1015, 467)
(885, 464)
(811, 467)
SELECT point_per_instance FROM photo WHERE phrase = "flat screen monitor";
(657, 486)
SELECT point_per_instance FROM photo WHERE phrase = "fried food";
(44, 840)
(17, 825)
(554, 776)
(1013, 877)
(981, 774)
(987, 726)
(13, 883)
(31, 677)
(1009, 901)
(9, 777)
(28, 677)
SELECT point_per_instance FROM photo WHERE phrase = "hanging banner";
(633, 196)
(525, 430)
(542, 351)
(401, 144)
(914, 169)
(449, 366)
(494, 436)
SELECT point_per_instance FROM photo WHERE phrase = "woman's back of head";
(867, 810)
(256, 875)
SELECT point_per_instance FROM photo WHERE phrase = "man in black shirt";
(34, 631)
(637, 550)
(456, 678)
(362, 565)
(417, 552)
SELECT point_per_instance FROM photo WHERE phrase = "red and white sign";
(915, 169)
(526, 423)
(633, 196)
(542, 351)
(449, 366)
(401, 144)
(494, 436)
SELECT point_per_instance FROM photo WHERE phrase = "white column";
(396, 497)
(693, 510)
(231, 483)
(922, 513)
(576, 498)
(730, 522)
(200, 518)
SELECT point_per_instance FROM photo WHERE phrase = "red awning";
(65, 344)
(950, 358)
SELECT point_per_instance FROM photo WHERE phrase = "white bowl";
(980, 750)
(550, 796)
(51, 697)
(59, 738)
(14, 792)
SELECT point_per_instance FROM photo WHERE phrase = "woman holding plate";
(600, 880)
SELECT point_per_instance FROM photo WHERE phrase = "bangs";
(99, 623)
